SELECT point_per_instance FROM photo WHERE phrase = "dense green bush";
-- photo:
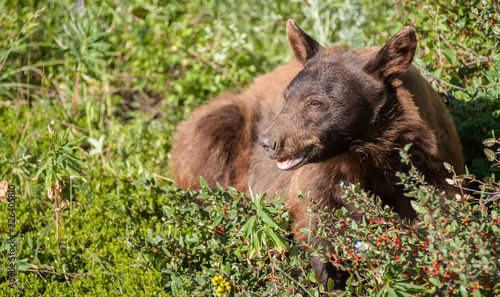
(459, 42)
(122, 74)
(230, 236)
(451, 251)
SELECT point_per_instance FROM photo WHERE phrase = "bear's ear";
(303, 46)
(395, 57)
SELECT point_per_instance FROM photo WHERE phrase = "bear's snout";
(270, 146)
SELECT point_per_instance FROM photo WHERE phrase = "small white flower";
(358, 245)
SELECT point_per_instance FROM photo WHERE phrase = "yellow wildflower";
(223, 287)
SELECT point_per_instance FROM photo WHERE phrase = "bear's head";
(339, 100)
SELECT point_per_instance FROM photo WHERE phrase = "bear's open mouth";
(293, 162)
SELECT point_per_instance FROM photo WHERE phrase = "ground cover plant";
(90, 93)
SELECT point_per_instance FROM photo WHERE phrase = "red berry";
(342, 225)
(224, 208)
(156, 251)
(397, 240)
(371, 222)
(356, 258)
(379, 220)
(330, 256)
(396, 258)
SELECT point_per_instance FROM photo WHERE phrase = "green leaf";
(391, 292)
(272, 210)
(463, 291)
(310, 276)
(200, 280)
(94, 59)
(23, 265)
(258, 201)
(450, 55)
(257, 241)
(267, 219)
(489, 142)
(175, 288)
(416, 205)
(435, 282)
(447, 166)
(42, 235)
(280, 242)
(73, 141)
(410, 288)
(203, 183)
(249, 226)
(42, 168)
(330, 285)
(354, 226)
(217, 220)
(489, 154)
(380, 293)
(494, 228)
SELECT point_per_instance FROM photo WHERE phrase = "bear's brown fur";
(330, 115)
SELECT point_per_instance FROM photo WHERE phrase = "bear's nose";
(268, 144)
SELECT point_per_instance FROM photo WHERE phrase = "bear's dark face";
(334, 102)
(329, 105)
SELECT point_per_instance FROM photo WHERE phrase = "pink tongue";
(284, 162)
(290, 163)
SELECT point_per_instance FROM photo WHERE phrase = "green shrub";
(459, 43)
(217, 236)
(452, 250)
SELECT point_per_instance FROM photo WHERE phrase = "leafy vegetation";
(91, 91)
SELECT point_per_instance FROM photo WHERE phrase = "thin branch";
(164, 178)
(143, 265)
(56, 272)
(444, 82)
(61, 122)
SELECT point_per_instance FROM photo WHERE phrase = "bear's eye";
(315, 103)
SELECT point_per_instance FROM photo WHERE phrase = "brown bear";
(332, 114)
